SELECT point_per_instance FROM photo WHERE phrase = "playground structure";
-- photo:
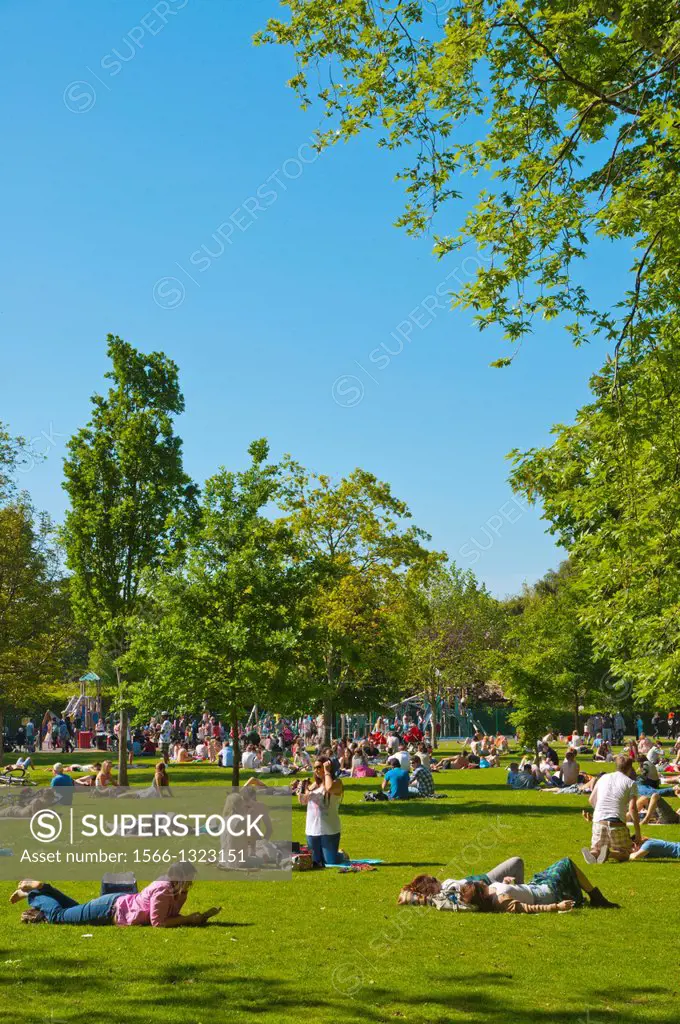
(82, 705)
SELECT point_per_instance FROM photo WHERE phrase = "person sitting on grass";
(644, 744)
(403, 757)
(301, 758)
(421, 782)
(361, 769)
(182, 755)
(249, 759)
(501, 744)
(615, 794)
(158, 905)
(395, 781)
(59, 777)
(503, 890)
(603, 752)
(654, 810)
(105, 779)
(524, 779)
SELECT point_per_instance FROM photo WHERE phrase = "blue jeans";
(61, 909)
(661, 848)
(645, 790)
(324, 849)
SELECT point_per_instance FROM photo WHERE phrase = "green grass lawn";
(325, 947)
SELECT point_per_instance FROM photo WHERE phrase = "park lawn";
(324, 947)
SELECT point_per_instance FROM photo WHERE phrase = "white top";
(392, 742)
(323, 816)
(166, 732)
(404, 759)
(614, 792)
(250, 760)
(532, 894)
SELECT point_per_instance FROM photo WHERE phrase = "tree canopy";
(549, 663)
(124, 478)
(609, 489)
(564, 111)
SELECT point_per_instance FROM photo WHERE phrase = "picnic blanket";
(356, 861)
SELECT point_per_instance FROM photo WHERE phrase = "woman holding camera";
(322, 798)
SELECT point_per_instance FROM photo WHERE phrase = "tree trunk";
(123, 749)
(327, 721)
(2, 732)
(236, 769)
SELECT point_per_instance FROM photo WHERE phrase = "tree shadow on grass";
(432, 808)
(344, 993)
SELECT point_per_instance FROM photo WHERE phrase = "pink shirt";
(153, 905)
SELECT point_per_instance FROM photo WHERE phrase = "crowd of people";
(631, 796)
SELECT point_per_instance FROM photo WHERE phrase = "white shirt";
(250, 760)
(532, 894)
(614, 792)
(392, 742)
(166, 732)
(404, 759)
(323, 816)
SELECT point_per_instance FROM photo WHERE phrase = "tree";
(549, 663)
(12, 451)
(35, 620)
(228, 620)
(609, 489)
(453, 629)
(359, 552)
(124, 479)
(565, 110)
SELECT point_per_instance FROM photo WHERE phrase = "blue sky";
(121, 166)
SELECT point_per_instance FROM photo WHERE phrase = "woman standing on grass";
(322, 799)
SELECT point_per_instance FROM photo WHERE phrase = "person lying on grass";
(28, 803)
(524, 779)
(158, 905)
(586, 787)
(22, 765)
(559, 888)
(456, 763)
(656, 848)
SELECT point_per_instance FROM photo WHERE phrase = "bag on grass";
(124, 882)
(301, 862)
